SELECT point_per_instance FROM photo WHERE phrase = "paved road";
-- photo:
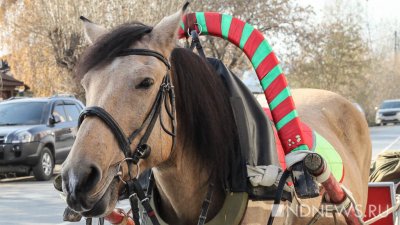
(385, 138)
(24, 201)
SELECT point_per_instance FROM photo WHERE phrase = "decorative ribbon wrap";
(265, 63)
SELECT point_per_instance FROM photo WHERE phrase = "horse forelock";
(204, 116)
(109, 46)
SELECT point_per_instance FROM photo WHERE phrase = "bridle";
(166, 97)
(166, 91)
(133, 189)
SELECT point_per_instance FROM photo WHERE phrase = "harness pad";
(328, 152)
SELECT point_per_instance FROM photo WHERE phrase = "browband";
(145, 52)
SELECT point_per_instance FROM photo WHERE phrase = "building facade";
(9, 86)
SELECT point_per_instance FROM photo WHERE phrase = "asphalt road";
(24, 201)
(385, 138)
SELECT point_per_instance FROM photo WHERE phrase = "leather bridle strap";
(145, 52)
(99, 112)
(166, 90)
(135, 186)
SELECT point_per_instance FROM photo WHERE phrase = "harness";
(133, 190)
(165, 96)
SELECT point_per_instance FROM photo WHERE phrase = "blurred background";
(350, 47)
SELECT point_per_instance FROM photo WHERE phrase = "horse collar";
(231, 213)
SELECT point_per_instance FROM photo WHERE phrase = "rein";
(165, 94)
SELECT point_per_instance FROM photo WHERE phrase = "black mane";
(204, 116)
(110, 45)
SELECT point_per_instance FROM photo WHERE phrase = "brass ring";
(119, 171)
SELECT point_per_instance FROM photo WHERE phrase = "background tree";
(45, 37)
(335, 56)
(282, 22)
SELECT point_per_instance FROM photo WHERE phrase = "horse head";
(126, 87)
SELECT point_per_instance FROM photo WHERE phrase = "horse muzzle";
(82, 187)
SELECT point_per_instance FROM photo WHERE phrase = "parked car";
(36, 134)
(388, 112)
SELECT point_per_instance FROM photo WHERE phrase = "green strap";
(225, 25)
(271, 76)
(247, 30)
(201, 21)
(261, 53)
(286, 119)
(284, 94)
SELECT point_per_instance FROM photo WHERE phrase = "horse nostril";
(78, 182)
(93, 177)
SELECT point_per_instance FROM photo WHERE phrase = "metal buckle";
(119, 171)
(167, 86)
(143, 151)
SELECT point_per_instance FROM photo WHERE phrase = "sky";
(377, 9)
(381, 18)
(376, 12)
(383, 10)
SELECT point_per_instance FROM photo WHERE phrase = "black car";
(36, 134)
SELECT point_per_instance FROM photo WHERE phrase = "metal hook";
(200, 29)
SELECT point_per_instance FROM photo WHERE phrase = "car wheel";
(44, 168)
(383, 124)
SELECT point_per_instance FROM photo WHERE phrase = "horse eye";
(146, 83)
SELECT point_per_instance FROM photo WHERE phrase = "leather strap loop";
(110, 122)
(135, 186)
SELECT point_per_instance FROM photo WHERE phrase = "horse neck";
(183, 185)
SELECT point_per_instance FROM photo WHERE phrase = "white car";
(388, 112)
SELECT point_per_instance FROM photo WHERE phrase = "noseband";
(142, 150)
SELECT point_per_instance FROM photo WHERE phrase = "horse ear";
(92, 30)
(165, 32)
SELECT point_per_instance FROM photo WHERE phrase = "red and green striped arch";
(267, 67)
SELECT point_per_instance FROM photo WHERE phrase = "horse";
(198, 152)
